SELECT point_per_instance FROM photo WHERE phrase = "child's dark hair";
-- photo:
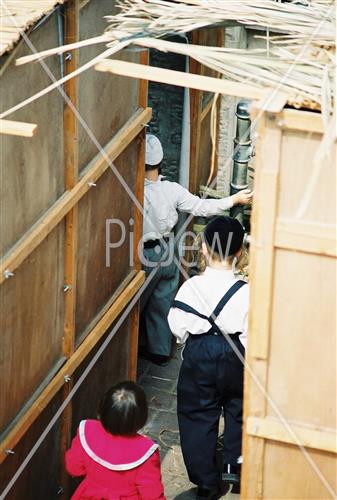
(123, 409)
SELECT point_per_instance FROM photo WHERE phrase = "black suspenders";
(211, 319)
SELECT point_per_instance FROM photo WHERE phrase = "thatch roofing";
(17, 16)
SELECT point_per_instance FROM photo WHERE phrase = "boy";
(210, 314)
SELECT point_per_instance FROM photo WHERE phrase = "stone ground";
(160, 385)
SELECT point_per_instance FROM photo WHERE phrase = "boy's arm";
(187, 202)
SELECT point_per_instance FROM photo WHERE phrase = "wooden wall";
(62, 301)
(201, 105)
(290, 384)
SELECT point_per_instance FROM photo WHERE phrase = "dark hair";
(224, 236)
(123, 409)
(153, 167)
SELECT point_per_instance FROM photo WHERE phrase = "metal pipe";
(241, 155)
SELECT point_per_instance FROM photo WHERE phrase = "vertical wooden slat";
(71, 167)
(261, 285)
(138, 223)
(195, 105)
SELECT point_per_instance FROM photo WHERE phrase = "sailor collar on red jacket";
(114, 452)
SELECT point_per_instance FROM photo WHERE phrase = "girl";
(117, 462)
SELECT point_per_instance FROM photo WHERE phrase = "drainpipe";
(241, 155)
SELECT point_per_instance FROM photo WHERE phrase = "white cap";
(153, 150)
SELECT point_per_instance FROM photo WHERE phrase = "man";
(162, 202)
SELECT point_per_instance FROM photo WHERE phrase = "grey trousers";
(157, 298)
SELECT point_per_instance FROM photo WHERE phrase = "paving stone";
(159, 399)
(166, 384)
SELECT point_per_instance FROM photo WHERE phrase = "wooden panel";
(319, 438)
(303, 327)
(110, 368)
(108, 200)
(31, 484)
(32, 324)
(32, 169)
(299, 171)
(59, 380)
(292, 398)
(295, 477)
(105, 102)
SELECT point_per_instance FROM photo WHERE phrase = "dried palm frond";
(305, 75)
(299, 58)
(158, 18)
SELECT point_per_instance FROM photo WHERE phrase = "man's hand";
(243, 197)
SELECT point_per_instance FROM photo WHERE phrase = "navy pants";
(210, 380)
(156, 301)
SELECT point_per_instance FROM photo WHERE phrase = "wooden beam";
(138, 223)
(71, 169)
(22, 129)
(20, 251)
(306, 121)
(309, 437)
(195, 121)
(306, 237)
(263, 225)
(16, 433)
(199, 82)
(262, 266)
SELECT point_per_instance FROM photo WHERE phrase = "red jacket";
(115, 467)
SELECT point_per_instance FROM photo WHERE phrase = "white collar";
(227, 274)
(148, 181)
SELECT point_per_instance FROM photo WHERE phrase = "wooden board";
(31, 325)
(112, 100)
(31, 170)
(31, 484)
(108, 200)
(290, 385)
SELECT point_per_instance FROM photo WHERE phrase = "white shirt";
(163, 199)
(203, 293)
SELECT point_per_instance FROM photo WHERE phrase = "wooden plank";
(274, 101)
(71, 169)
(138, 225)
(271, 428)
(195, 122)
(263, 224)
(306, 121)
(306, 237)
(199, 82)
(68, 200)
(261, 264)
(70, 366)
(21, 129)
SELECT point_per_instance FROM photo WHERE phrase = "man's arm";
(187, 202)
